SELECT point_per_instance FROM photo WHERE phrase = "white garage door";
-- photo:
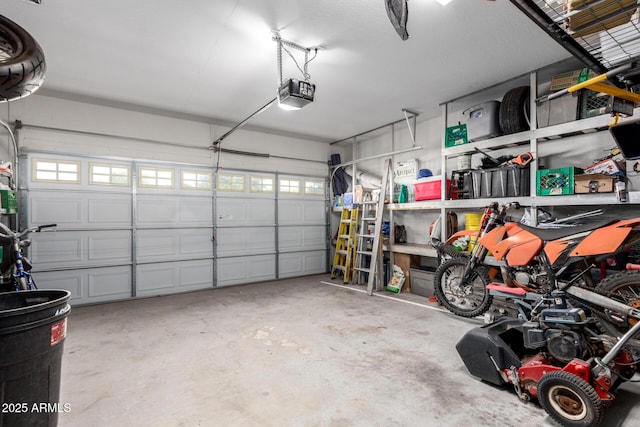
(128, 229)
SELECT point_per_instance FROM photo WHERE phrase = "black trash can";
(33, 326)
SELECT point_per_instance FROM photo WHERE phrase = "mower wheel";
(570, 400)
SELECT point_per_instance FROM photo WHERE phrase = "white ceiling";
(215, 59)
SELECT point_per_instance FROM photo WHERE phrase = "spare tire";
(514, 110)
(22, 64)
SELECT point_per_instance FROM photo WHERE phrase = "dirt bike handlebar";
(10, 234)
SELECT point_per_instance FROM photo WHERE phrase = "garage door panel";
(80, 248)
(114, 246)
(68, 280)
(245, 212)
(198, 274)
(154, 244)
(109, 282)
(301, 263)
(234, 271)
(174, 277)
(51, 209)
(114, 210)
(174, 244)
(152, 211)
(156, 276)
(80, 209)
(195, 242)
(297, 238)
(195, 211)
(245, 241)
(182, 211)
(89, 285)
(301, 212)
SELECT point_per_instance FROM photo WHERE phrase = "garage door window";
(105, 174)
(314, 187)
(154, 177)
(289, 186)
(50, 170)
(230, 182)
(261, 184)
(195, 180)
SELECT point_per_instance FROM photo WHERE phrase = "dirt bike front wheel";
(22, 64)
(468, 299)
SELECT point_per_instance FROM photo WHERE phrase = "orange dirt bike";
(537, 261)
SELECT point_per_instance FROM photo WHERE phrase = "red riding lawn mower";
(557, 357)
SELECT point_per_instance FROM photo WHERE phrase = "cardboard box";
(604, 15)
(607, 167)
(564, 80)
(359, 193)
(405, 262)
(593, 183)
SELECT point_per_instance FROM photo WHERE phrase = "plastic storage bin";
(456, 135)
(421, 281)
(429, 188)
(511, 181)
(482, 121)
(556, 182)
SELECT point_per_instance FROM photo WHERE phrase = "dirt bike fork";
(477, 257)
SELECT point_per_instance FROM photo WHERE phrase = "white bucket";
(464, 161)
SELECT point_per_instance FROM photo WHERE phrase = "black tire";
(468, 300)
(623, 287)
(570, 400)
(22, 64)
(514, 111)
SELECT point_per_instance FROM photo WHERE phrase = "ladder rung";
(341, 252)
(368, 236)
(369, 219)
(369, 253)
(343, 236)
(345, 221)
(340, 267)
(366, 270)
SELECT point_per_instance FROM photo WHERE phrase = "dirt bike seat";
(548, 234)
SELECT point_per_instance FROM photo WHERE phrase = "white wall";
(187, 140)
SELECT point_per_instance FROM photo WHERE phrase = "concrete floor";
(295, 352)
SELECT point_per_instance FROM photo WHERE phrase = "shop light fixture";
(444, 2)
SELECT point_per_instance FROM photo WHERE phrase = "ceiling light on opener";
(295, 94)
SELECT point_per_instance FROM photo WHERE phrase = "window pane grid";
(65, 171)
(193, 180)
(314, 187)
(158, 178)
(260, 184)
(228, 182)
(110, 174)
(291, 186)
